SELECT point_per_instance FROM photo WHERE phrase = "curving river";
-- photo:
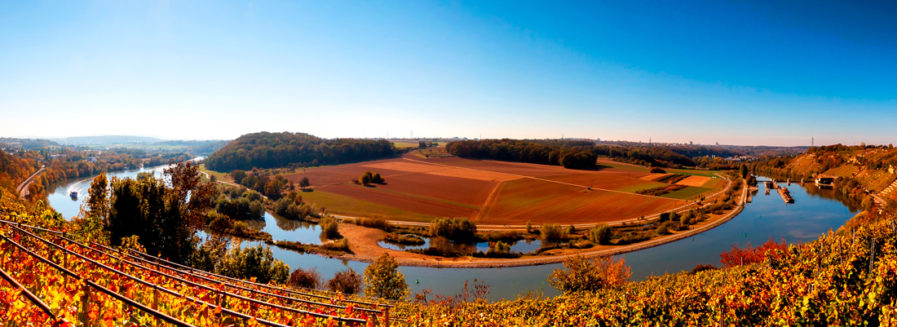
(813, 212)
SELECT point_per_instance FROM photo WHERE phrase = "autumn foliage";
(584, 274)
(749, 255)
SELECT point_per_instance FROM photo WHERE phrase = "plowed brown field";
(491, 192)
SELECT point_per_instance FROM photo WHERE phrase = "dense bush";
(552, 234)
(338, 245)
(378, 223)
(456, 229)
(382, 278)
(601, 234)
(583, 274)
(499, 249)
(291, 206)
(749, 255)
(301, 278)
(666, 227)
(240, 208)
(347, 281)
(404, 239)
(330, 228)
(254, 261)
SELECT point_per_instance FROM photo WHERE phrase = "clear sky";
(729, 72)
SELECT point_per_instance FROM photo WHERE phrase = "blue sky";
(728, 72)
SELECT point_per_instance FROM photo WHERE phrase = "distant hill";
(25, 144)
(272, 150)
(106, 140)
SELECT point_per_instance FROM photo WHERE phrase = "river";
(814, 212)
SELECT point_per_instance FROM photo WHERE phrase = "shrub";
(664, 228)
(632, 237)
(382, 278)
(749, 255)
(499, 249)
(686, 219)
(668, 216)
(305, 278)
(658, 170)
(338, 245)
(347, 281)
(378, 223)
(601, 234)
(220, 224)
(330, 229)
(701, 267)
(582, 244)
(441, 246)
(253, 262)
(588, 275)
(552, 234)
(456, 229)
(292, 207)
(404, 239)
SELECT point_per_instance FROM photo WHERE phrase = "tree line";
(271, 150)
(580, 155)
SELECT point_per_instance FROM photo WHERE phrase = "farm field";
(419, 188)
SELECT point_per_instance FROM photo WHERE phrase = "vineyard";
(52, 279)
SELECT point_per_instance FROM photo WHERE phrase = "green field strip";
(641, 187)
(687, 193)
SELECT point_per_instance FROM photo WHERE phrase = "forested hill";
(13, 170)
(272, 150)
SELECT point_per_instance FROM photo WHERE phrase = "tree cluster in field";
(370, 178)
(578, 155)
(271, 150)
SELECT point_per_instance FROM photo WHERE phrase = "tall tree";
(164, 217)
(98, 201)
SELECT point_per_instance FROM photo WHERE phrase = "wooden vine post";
(83, 315)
